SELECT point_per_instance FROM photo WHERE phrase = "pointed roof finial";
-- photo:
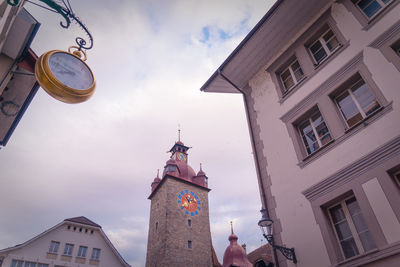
(158, 173)
(232, 227)
(179, 132)
(200, 167)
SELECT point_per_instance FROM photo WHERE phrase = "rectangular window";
(357, 102)
(189, 244)
(95, 254)
(291, 76)
(314, 132)
(396, 47)
(350, 228)
(30, 264)
(324, 45)
(82, 251)
(54, 247)
(16, 263)
(189, 222)
(42, 265)
(68, 249)
(396, 176)
(371, 7)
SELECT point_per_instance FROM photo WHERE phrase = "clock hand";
(66, 72)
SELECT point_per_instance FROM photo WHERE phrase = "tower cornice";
(177, 179)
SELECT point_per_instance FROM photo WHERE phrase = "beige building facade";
(75, 242)
(320, 82)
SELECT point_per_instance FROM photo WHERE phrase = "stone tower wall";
(169, 245)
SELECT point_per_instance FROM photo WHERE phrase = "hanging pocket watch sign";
(65, 75)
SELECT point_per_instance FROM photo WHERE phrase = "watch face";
(70, 70)
(189, 202)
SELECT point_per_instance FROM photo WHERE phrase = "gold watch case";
(55, 87)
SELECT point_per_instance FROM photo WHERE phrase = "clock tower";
(179, 228)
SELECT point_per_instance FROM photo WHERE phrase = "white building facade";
(74, 242)
(321, 85)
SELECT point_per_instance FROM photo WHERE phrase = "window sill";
(81, 260)
(372, 21)
(94, 262)
(66, 258)
(366, 120)
(316, 154)
(51, 255)
(348, 133)
(371, 256)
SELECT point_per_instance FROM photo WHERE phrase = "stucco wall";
(37, 250)
(288, 180)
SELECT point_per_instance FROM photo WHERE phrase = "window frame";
(363, 19)
(380, 2)
(344, 88)
(66, 250)
(319, 37)
(95, 255)
(30, 264)
(351, 224)
(190, 244)
(307, 116)
(396, 177)
(56, 246)
(84, 249)
(16, 263)
(292, 75)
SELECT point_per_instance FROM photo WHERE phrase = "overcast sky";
(97, 159)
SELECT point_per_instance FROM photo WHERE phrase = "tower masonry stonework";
(179, 227)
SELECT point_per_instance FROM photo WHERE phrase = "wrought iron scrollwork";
(66, 12)
(287, 252)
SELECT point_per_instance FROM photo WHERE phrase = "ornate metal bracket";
(287, 252)
(67, 13)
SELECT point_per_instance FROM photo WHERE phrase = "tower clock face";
(181, 156)
(189, 202)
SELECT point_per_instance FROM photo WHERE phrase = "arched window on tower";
(261, 263)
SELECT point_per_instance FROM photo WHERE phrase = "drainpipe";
(258, 168)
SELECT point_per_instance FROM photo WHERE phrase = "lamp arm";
(67, 13)
(287, 252)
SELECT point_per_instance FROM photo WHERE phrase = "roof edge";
(242, 43)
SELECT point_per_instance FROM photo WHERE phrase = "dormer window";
(170, 168)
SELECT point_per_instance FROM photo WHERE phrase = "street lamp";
(266, 227)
